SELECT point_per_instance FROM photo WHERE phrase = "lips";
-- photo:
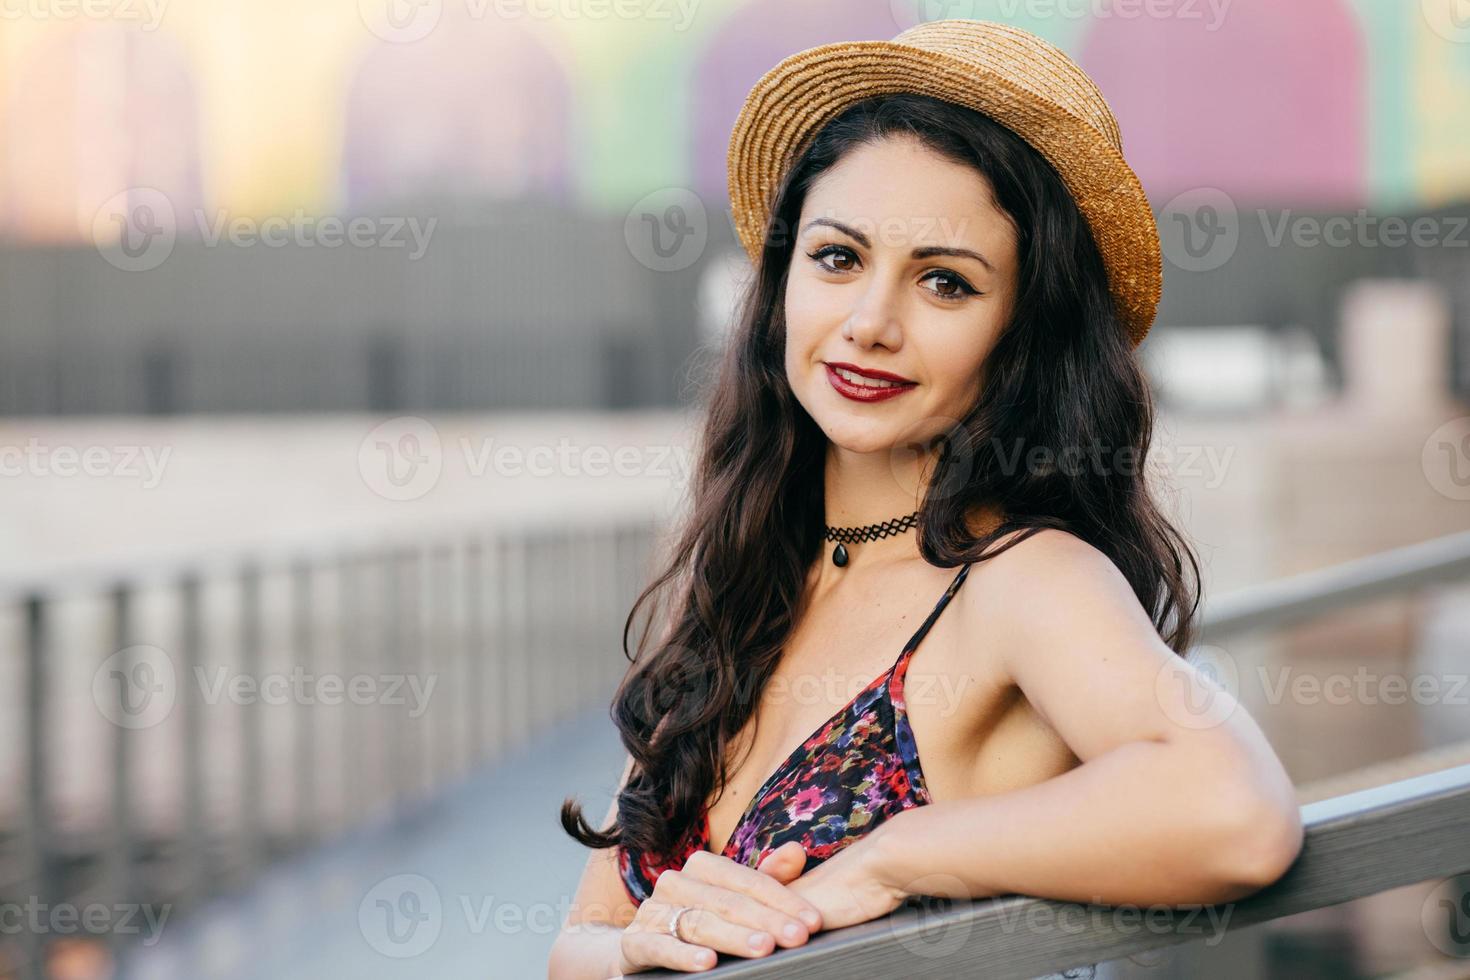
(864, 392)
(873, 373)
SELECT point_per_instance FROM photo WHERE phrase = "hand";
(854, 885)
(728, 904)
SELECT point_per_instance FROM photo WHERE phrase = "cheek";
(958, 371)
(806, 314)
(810, 302)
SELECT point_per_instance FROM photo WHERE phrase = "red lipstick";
(864, 393)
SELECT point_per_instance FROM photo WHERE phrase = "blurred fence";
(174, 729)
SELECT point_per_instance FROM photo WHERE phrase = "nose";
(875, 316)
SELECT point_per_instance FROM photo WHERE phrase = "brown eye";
(836, 251)
(953, 286)
(960, 288)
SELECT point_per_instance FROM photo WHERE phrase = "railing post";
(474, 654)
(252, 774)
(195, 844)
(117, 873)
(439, 722)
(38, 848)
(518, 710)
(354, 734)
(304, 715)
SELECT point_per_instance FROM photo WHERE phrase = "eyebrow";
(922, 252)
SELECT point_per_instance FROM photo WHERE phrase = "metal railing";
(177, 727)
(1357, 843)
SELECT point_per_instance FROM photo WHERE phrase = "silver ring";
(674, 922)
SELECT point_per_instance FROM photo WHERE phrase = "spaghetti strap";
(923, 629)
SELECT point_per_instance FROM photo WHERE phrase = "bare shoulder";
(1050, 593)
(1032, 570)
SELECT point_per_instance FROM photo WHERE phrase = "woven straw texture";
(1011, 75)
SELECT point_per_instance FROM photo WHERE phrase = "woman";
(933, 369)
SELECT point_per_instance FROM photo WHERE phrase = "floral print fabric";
(855, 771)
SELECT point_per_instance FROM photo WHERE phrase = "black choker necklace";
(868, 532)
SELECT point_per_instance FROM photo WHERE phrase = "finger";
(785, 863)
(746, 917)
(647, 948)
(727, 873)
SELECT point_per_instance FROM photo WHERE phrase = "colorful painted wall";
(334, 106)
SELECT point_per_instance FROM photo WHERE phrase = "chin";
(858, 435)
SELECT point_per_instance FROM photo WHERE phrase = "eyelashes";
(965, 289)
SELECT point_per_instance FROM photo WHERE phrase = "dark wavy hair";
(1061, 375)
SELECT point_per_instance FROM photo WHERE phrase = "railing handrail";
(1358, 844)
(1268, 604)
(1297, 597)
(98, 577)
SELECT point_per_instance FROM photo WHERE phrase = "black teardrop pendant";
(839, 556)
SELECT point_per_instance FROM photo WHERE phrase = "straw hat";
(1010, 75)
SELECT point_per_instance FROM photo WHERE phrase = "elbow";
(555, 969)
(1261, 842)
(561, 964)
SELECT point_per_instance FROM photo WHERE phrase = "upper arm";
(1073, 637)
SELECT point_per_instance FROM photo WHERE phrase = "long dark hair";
(1062, 374)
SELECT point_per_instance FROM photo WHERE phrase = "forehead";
(907, 193)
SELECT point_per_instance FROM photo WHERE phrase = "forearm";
(586, 951)
(1137, 825)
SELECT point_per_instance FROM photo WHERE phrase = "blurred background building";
(355, 342)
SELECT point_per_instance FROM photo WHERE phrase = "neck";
(869, 488)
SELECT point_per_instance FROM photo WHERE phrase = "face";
(905, 265)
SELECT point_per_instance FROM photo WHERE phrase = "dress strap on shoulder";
(923, 629)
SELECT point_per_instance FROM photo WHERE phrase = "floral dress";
(859, 768)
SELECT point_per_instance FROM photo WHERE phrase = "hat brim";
(793, 100)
